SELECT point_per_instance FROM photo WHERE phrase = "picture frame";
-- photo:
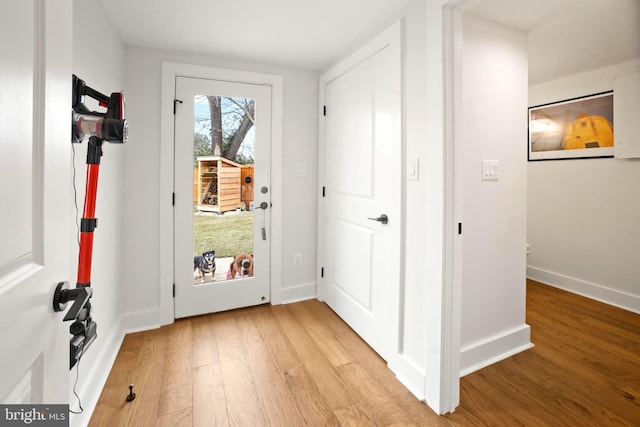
(576, 128)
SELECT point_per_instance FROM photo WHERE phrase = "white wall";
(414, 341)
(98, 59)
(142, 169)
(494, 127)
(583, 214)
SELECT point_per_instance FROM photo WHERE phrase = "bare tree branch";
(248, 108)
(244, 128)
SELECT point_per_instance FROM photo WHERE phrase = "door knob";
(264, 205)
(382, 218)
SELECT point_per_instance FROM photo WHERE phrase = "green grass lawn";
(228, 235)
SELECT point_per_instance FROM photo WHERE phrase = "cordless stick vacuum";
(98, 127)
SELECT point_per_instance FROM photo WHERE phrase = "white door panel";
(192, 299)
(16, 119)
(35, 106)
(353, 277)
(362, 147)
(351, 149)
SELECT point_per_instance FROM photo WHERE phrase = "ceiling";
(297, 33)
(565, 36)
(569, 36)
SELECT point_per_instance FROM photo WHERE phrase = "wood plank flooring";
(301, 365)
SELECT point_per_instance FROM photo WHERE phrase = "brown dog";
(241, 266)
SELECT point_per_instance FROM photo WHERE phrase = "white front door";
(35, 182)
(362, 148)
(227, 209)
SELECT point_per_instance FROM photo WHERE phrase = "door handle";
(263, 207)
(382, 218)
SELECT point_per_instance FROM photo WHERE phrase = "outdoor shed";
(218, 184)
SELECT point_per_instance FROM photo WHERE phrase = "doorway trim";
(170, 71)
(453, 203)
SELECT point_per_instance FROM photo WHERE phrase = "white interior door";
(35, 106)
(202, 292)
(362, 181)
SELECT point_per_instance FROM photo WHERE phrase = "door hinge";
(173, 199)
(459, 228)
(322, 272)
(324, 110)
(323, 191)
(175, 101)
(174, 290)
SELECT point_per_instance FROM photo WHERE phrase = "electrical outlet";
(297, 260)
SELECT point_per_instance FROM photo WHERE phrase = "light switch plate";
(490, 170)
(301, 169)
(413, 169)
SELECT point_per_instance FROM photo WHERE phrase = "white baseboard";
(590, 290)
(95, 376)
(494, 349)
(299, 293)
(409, 375)
(142, 320)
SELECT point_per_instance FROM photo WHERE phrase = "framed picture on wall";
(575, 128)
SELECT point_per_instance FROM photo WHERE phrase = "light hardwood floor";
(300, 365)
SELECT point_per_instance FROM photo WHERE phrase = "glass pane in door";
(223, 188)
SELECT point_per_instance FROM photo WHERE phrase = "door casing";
(171, 70)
